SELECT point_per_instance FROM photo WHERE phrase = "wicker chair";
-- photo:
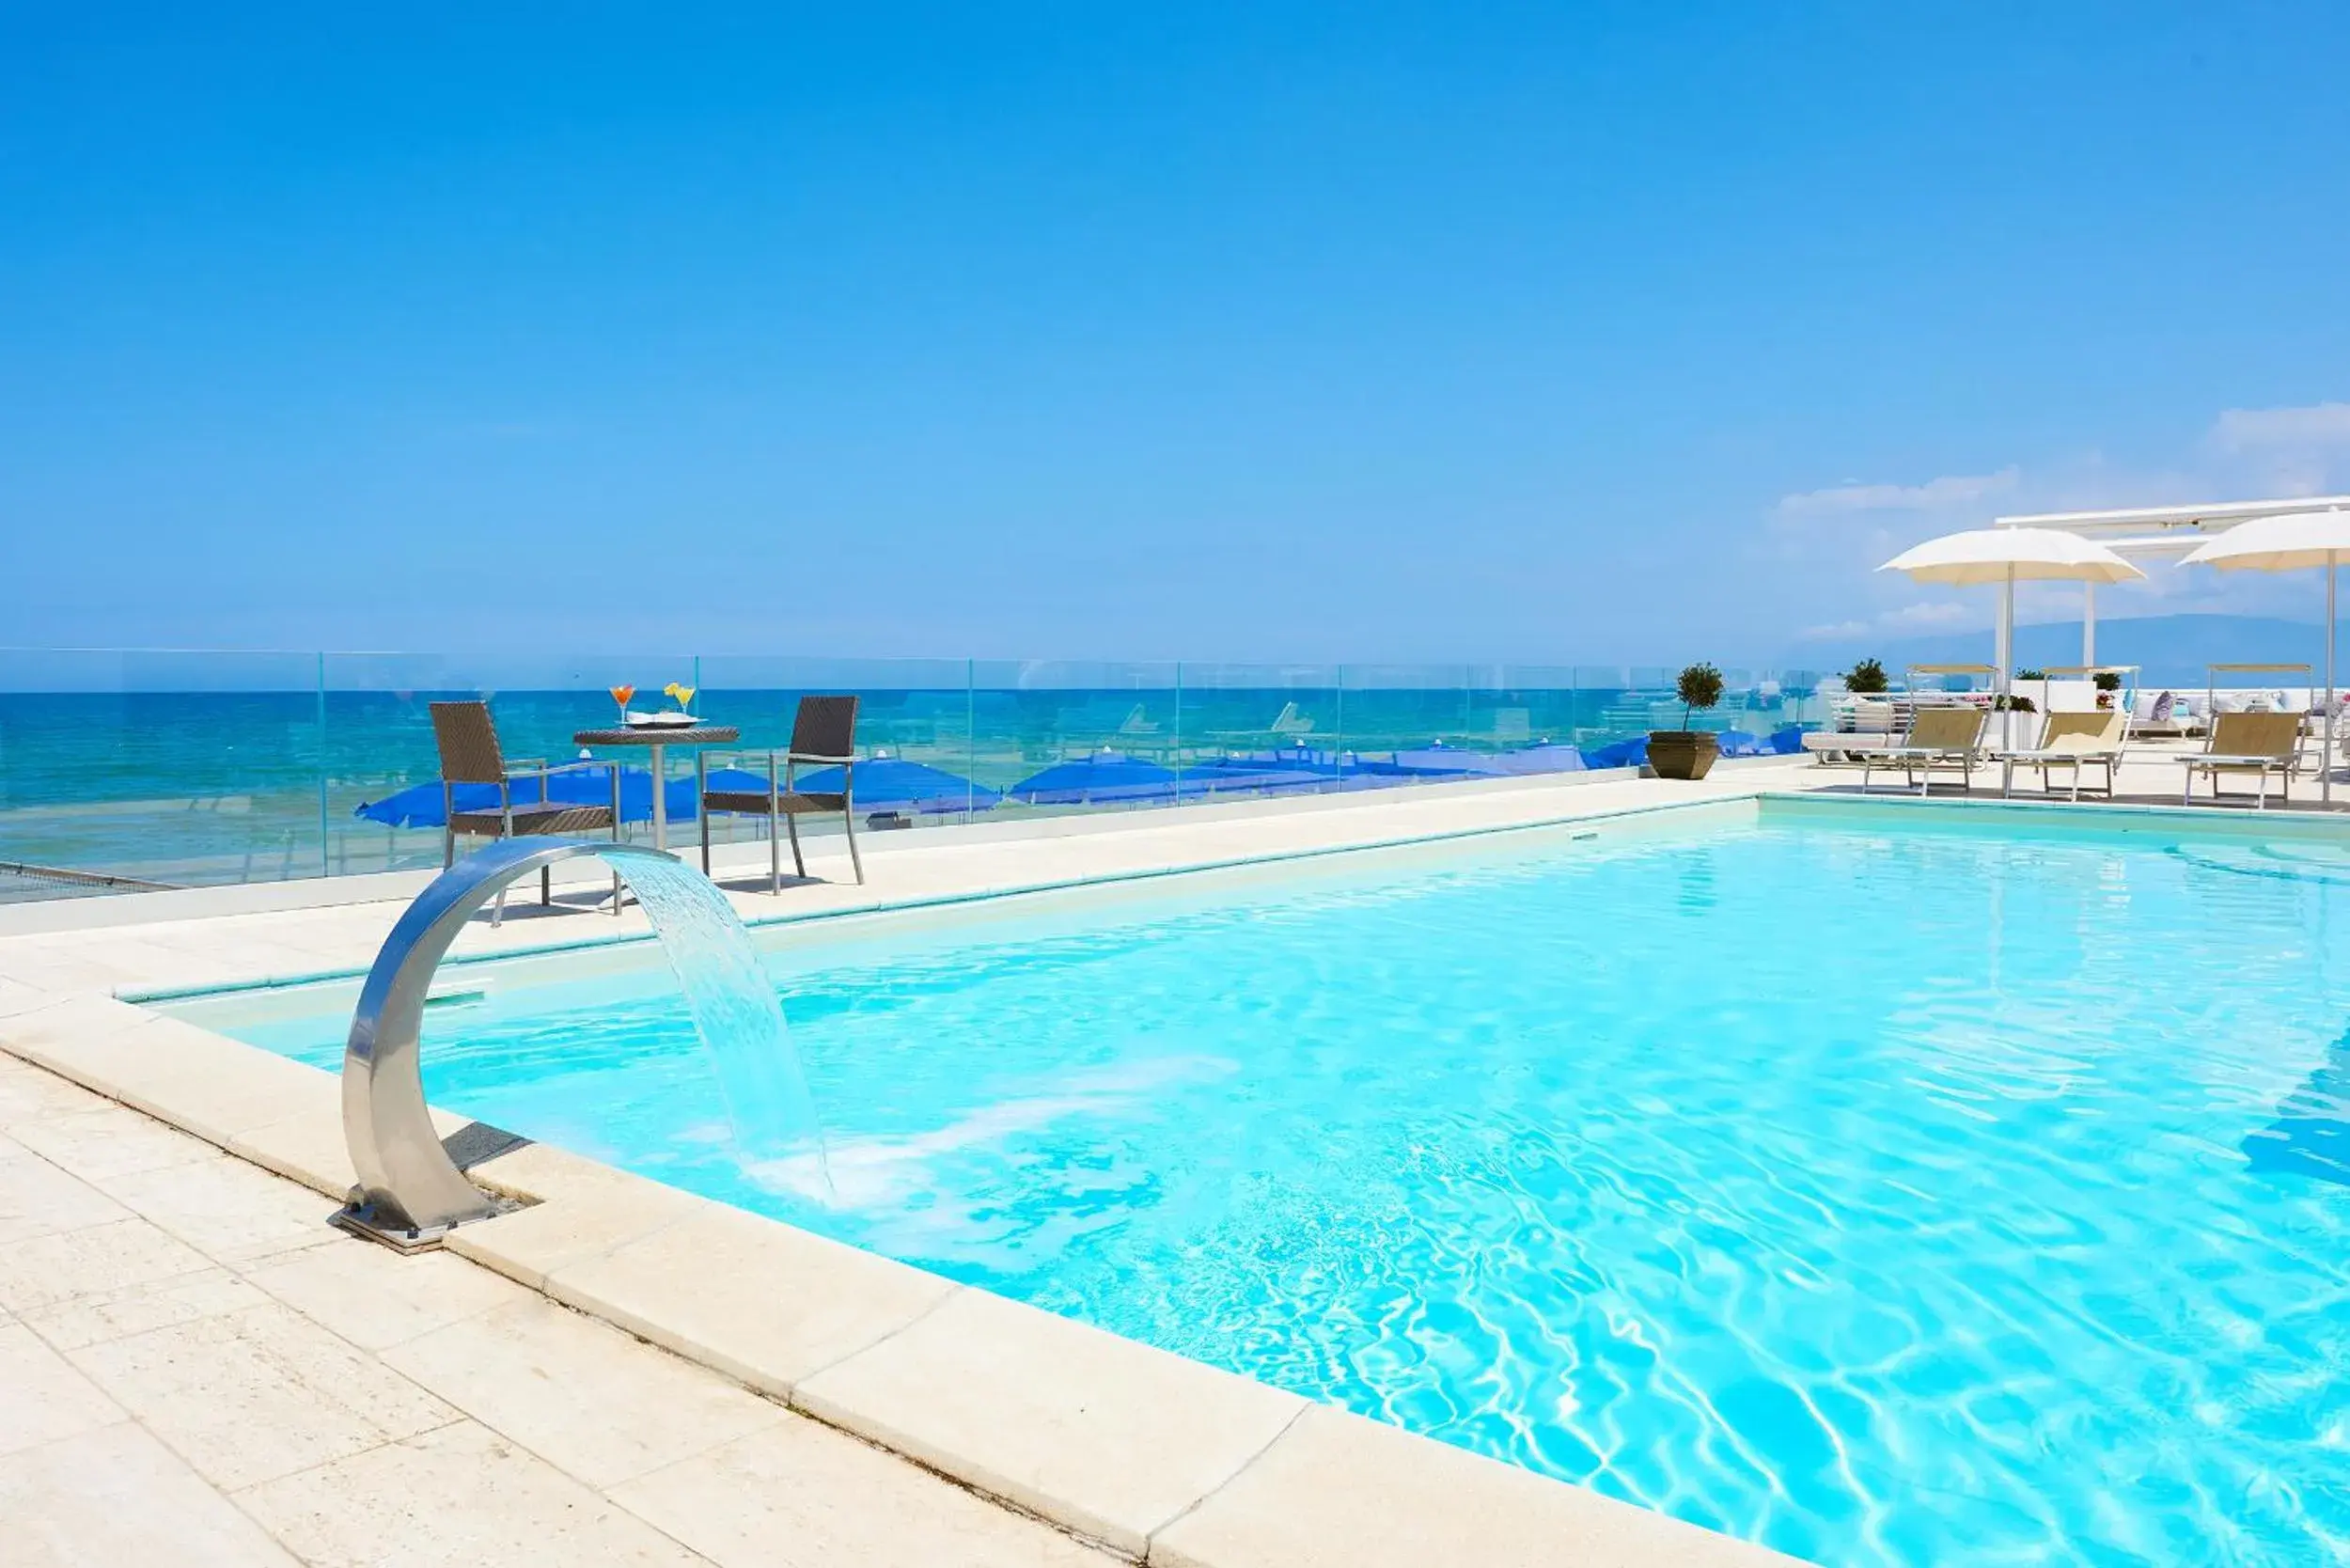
(470, 754)
(823, 733)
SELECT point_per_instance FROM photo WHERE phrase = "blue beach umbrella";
(421, 805)
(1281, 759)
(1737, 742)
(1436, 760)
(1105, 777)
(892, 783)
(1619, 754)
(1237, 775)
(1543, 756)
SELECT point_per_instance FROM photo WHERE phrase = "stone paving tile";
(91, 1261)
(111, 1141)
(227, 1208)
(18, 996)
(117, 1498)
(580, 1394)
(37, 1199)
(605, 1208)
(254, 1395)
(763, 1302)
(799, 1493)
(376, 1298)
(1338, 1491)
(29, 1093)
(212, 1086)
(309, 1149)
(79, 1018)
(116, 1315)
(43, 1397)
(458, 1495)
(1107, 1435)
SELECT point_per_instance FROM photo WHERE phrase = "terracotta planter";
(1682, 753)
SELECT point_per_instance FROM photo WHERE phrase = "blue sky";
(1262, 332)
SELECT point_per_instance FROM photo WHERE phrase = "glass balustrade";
(122, 769)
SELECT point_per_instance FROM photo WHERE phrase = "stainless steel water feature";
(411, 1193)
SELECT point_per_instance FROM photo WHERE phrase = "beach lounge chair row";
(2261, 746)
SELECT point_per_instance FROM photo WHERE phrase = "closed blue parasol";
(1290, 768)
(894, 784)
(1543, 756)
(1105, 777)
(1618, 754)
(1438, 760)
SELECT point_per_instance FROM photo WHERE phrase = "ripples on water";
(1914, 1200)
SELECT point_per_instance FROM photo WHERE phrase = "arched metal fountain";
(410, 1192)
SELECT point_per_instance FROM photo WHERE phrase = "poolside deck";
(200, 1372)
(283, 1393)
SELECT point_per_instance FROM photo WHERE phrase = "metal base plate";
(360, 1220)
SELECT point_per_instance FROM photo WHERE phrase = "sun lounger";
(2070, 740)
(1948, 737)
(2256, 744)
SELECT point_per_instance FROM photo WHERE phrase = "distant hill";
(2173, 649)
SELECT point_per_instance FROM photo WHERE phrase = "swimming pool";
(1884, 1183)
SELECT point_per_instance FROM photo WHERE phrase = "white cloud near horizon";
(2239, 431)
(1949, 489)
(2284, 451)
(1923, 616)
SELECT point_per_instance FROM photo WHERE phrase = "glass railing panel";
(382, 767)
(179, 769)
(1769, 705)
(1252, 730)
(913, 738)
(1076, 735)
(1803, 697)
(1622, 702)
(1412, 724)
(1529, 717)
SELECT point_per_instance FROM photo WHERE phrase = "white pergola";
(2142, 533)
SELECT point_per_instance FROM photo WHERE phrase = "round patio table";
(657, 739)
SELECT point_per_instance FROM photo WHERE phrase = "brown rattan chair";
(823, 733)
(470, 754)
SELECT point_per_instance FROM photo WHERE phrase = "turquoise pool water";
(1885, 1187)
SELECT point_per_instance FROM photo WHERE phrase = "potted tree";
(1687, 753)
(1866, 679)
(2109, 681)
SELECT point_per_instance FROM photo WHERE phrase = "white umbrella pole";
(2089, 626)
(2325, 762)
(2008, 632)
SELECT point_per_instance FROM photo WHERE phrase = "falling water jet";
(736, 1014)
(410, 1192)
